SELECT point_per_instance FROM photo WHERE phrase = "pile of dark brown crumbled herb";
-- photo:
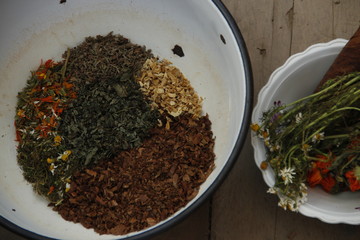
(143, 186)
(113, 137)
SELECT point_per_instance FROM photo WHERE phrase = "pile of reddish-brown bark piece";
(143, 186)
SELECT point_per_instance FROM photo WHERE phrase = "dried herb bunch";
(314, 141)
(145, 185)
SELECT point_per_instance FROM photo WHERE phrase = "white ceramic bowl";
(297, 78)
(215, 61)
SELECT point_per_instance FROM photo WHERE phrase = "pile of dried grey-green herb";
(113, 137)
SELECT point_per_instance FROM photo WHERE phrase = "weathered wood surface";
(241, 208)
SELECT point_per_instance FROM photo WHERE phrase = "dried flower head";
(287, 175)
(298, 117)
(318, 137)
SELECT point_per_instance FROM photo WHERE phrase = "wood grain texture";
(258, 37)
(241, 207)
(8, 235)
(345, 18)
(282, 23)
(194, 227)
(312, 23)
(294, 226)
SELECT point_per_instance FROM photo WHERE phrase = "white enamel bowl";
(297, 78)
(215, 61)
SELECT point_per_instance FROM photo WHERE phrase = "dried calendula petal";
(264, 165)
(57, 140)
(168, 88)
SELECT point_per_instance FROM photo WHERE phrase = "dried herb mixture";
(40, 107)
(112, 136)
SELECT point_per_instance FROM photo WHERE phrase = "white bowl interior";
(297, 78)
(40, 29)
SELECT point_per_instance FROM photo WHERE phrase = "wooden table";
(241, 208)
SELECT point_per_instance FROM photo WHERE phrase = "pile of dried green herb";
(105, 57)
(96, 140)
(108, 116)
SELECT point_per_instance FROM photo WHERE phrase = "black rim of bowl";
(228, 166)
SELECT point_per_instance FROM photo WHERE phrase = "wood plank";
(318, 21)
(241, 207)
(8, 235)
(194, 227)
(313, 23)
(346, 17)
(293, 226)
(236, 204)
(255, 21)
(283, 14)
